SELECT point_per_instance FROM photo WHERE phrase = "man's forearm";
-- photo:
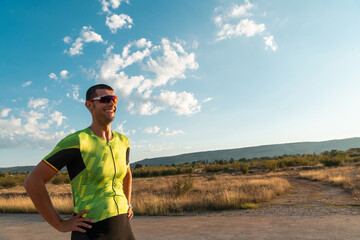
(127, 186)
(40, 197)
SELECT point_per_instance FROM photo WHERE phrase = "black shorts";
(114, 228)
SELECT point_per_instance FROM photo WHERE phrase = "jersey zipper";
(113, 181)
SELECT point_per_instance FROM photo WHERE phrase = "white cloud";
(38, 103)
(53, 76)
(245, 27)
(89, 73)
(146, 108)
(64, 74)
(114, 4)
(172, 64)
(229, 26)
(5, 112)
(169, 132)
(75, 95)
(31, 128)
(183, 103)
(242, 10)
(87, 35)
(121, 128)
(115, 22)
(152, 130)
(270, 42)
(26, 84)
(207, 100)
(111, 71)
(45, 89)
(160, 65)
(57, 117)
(67, 39)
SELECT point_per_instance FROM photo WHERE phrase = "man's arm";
(127, 183)
(35, 187)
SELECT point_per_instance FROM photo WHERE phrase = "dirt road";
(310, 210)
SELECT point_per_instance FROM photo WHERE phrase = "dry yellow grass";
(21, 204)
(155, 196)
(348, 177)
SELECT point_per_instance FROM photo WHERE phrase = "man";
(97, 160)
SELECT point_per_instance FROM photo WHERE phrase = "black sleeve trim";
(71, 158)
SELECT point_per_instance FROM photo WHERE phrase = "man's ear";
(89, 106)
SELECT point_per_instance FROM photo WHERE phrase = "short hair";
(91, 92)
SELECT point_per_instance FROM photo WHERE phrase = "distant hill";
(17, 169)
(258, 151)
(237, 153)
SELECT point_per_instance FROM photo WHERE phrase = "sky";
(190, 75)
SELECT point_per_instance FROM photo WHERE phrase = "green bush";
(60, 178)
(8, 180)
(332, 162)
(181, 186)
(271, 165)
(243, 167)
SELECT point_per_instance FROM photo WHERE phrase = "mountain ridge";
(269, 150)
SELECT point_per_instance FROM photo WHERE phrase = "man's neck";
(104, 132)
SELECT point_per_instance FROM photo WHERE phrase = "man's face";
(103, 112)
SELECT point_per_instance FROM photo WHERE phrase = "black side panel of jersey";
(71, 158)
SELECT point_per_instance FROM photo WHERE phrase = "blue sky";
(191, 75)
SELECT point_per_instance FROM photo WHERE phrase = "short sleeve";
(64, 151)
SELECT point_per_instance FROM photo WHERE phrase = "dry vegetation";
(15, 199)
(202, 186)
(347, 177)
(171, 194)
(161, 196)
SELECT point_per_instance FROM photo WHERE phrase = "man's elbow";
(27, 184)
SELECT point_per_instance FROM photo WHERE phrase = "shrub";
(271, 165)
(243, 167)
(60, 178)
(181, 186)
(332, 162)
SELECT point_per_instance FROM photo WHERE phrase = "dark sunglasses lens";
(108, 98)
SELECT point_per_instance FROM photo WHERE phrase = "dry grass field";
(172, 194)
(347, 177)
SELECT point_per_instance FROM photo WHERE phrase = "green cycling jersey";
(96, 169)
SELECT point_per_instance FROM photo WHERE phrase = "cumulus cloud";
(229, 25)
(89, 73)
(64, 74)
(57, 117)
(121, 128)
(38, 103)
(152, 130)
(115, 22)
(5, 112)
(26, 84)
(67, 39)
(169, 132)
(87, 35)
(74, 94)
(112, 68)
(160, 65)
(242, 10)
(53, 76)
(245, 27)
(207, 100)
(183, 103)
(31, 127)
(270, 42)
(114, 4)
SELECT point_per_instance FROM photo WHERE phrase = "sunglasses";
(106, 99)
